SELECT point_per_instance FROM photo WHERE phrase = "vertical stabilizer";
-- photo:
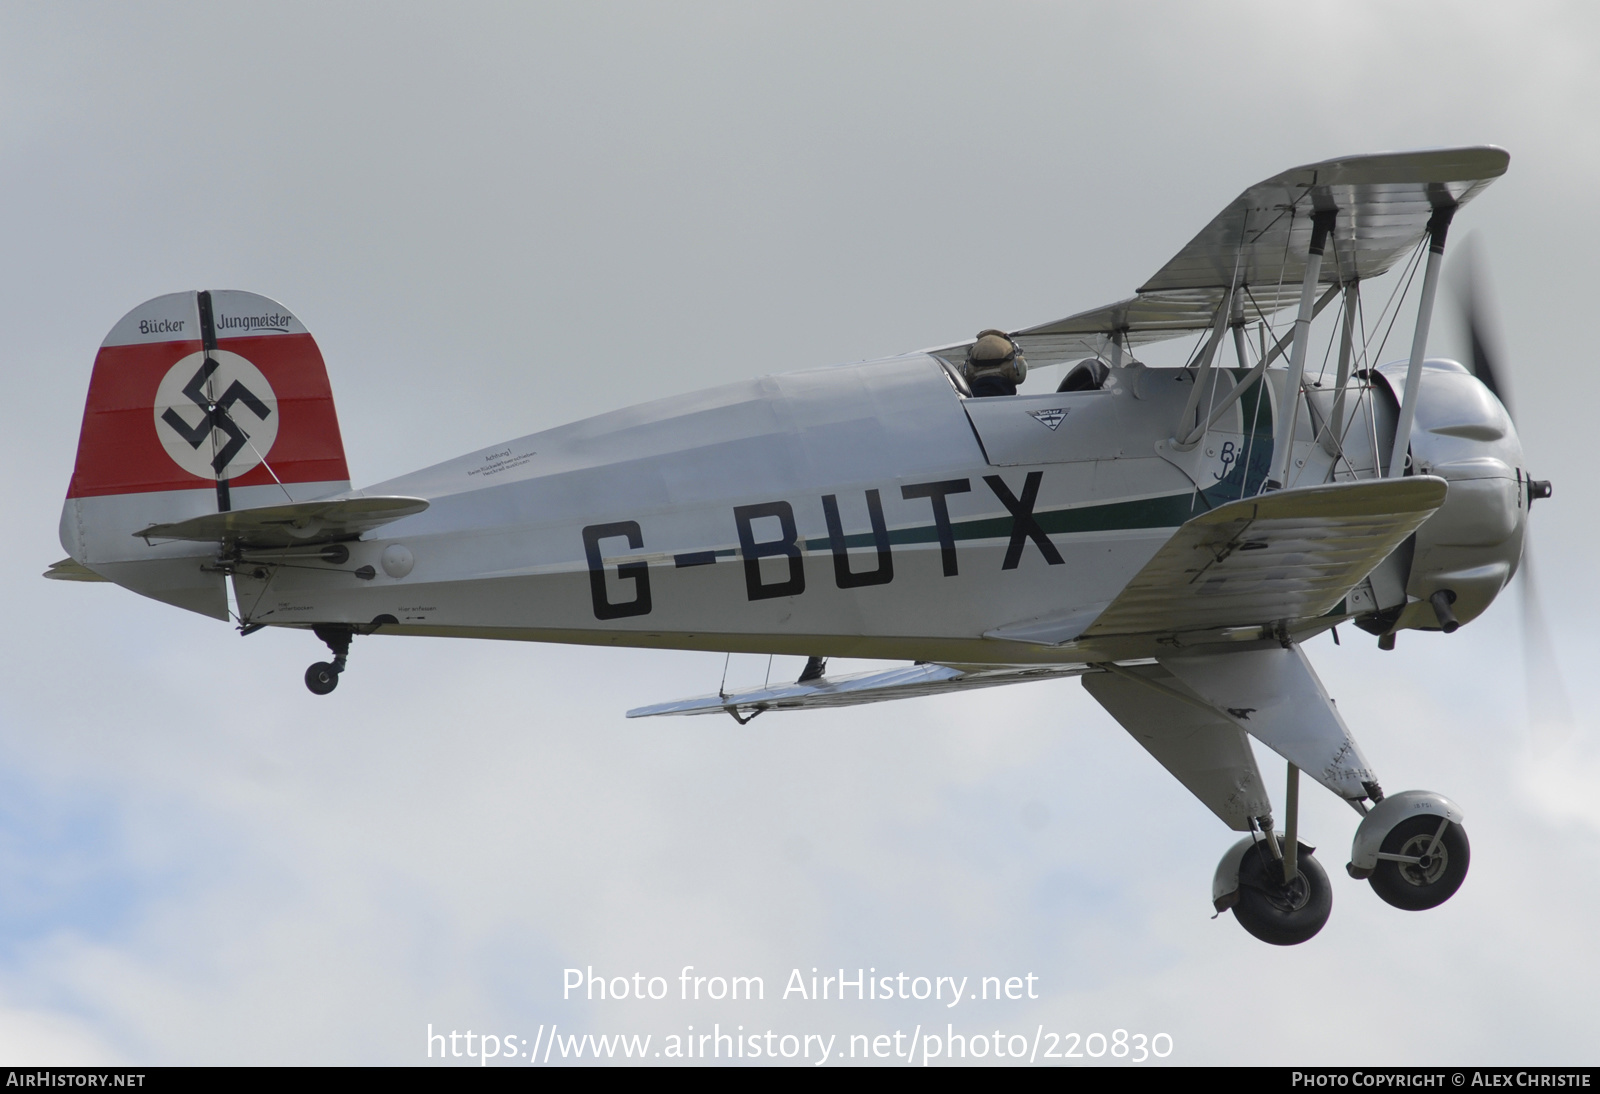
(198, 402)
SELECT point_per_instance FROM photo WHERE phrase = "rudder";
(198, 402)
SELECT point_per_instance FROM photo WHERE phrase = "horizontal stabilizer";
(291, 525)
(902, 682)
(69, 569)
(1288, 555)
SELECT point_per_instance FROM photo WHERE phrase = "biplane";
(1173, 536)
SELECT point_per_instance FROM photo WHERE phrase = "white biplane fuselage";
(862, 511)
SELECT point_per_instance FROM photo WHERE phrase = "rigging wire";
(1369, 393)
(1255, 420)
(260, 455)
(1194, 354)
(1414, 265)
(1333, 242)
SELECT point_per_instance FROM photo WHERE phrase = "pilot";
(995, 366)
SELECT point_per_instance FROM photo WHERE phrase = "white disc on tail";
(241, 430)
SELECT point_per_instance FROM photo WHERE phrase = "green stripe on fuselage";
(1163, 512)
(1244, 479)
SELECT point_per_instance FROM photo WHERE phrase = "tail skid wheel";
(1422, 863)
(1279, 914)
(322, 678)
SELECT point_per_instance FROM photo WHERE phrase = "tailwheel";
(1277, 912)
(1421, 863)
(322, 678)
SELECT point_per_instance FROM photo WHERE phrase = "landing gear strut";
(1277, 891)
(323, 676)
(1278, 912)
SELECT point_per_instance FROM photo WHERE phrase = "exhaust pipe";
(1441, 602)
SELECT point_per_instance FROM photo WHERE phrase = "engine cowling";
(1467, 551)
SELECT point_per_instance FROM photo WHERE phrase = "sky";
(499, 218)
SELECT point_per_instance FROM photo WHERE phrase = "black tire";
(1279, 914)
(321, 678)
(1416, 888)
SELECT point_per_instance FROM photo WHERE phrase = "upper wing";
(305, 522)
(1384, 202)
(1282, 556)
(902, 682)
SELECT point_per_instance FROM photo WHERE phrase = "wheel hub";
(1291, 897)
(1428, 868)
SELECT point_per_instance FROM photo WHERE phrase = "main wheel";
(1279, 914)
(1433, 880)
(321, 678)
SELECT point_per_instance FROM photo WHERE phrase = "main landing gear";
(1410, 847)
(1422, 864)
(1277, 890)
(1280, 912)
(323, 676)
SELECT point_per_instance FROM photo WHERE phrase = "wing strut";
(1333, 431)
(1438, 225)
(1219, 326)
(1283, 446)
(1278, 349)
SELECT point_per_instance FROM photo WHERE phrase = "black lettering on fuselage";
(1023, 526)
(753, 552)
(637, 572)
(841, 557)
(936, 492)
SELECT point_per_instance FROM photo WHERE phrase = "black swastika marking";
(216, 415)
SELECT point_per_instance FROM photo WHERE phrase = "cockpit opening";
(1089, 375)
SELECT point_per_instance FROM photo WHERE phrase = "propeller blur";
(1549, 711)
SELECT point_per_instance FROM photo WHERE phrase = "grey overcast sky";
(497, 218)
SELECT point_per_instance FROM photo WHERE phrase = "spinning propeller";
(1549, 711)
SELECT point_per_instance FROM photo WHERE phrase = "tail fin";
(199, 402)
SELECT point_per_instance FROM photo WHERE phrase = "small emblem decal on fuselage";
(1052, 417)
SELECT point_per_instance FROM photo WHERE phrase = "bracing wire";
(1412, 267)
